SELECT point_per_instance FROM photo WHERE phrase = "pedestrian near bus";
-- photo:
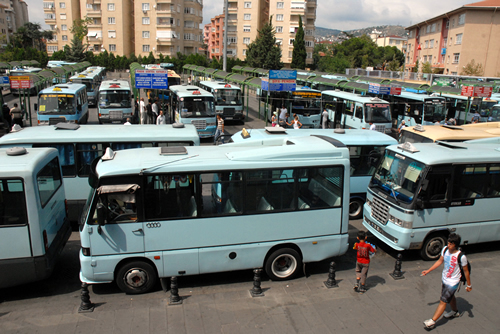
(155, 108)
(362, 261)
(295, 123)
(450, 279)
(220, 129)
(17, 115)
(6, 116)
(325, 118)
(149, 111)
(161, 119)
(282, 118)
(144, 115)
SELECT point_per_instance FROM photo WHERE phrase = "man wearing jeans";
(220, 129)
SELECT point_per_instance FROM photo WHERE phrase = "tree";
(471, 68)
(80, 30)
(299, 48)
(426, 67)
(30, 36)
(263, 51)
(76, 52)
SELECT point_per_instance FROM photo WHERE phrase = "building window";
(280, 5)
(426, 45)
(456, 58)
(145, 6)
(447, 24)
(453, 23)
(461, 19)
(246, 40)
(61, 5)
(246, 28)
(279, 41)
(145, 20)
(112, 47)
(145, 48)
(433, 27)
(178, 11)
(309, 32)
(48, 5)
(111, 20)
(309, 55)
(63, 16)
(178, 22)
(425, 59)
(51, 48)
(431, 43)
(458, 39)
(298, 4)
(445, 40)
(244, 52)
(231, 40)
(247, 17)
(111, 33)
(279, 29)
(64, 37)
(145, 34)
(429, 28)
(291, 41)
(279, 17)
(64, 27)
(430, 59)
(247, 4)
(411, 34)
(309, 43)
(290, 54)
(111, 7)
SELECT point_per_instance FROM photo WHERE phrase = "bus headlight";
(369, 202)
(400, 222)
(43, 122)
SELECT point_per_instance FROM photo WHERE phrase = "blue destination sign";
(278, 85)
(151, 79)
(283, 74)
(379, 89)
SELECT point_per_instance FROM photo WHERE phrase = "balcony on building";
(50, 20)
(49, 7)
(164, 7)
(165, 22)
(311, 4)
(232, 7)
(94, 37)
(233, 18)
(94, 12)
(97, 23)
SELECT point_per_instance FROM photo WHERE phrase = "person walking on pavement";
(142, 108)
(450, 279)
(372, 126)
(295, 123)
(220, 129)
(362, 261)
(282, 118)
(17, 115)
(325, 118)
(149, 110)
(6, 116)
(155, 111)
(161, 119)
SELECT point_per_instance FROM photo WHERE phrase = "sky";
(334, 14)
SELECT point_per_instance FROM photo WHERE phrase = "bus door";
(116, 228)
(357, 118)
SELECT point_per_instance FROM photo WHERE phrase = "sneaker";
(452, 314)
(356, 287)
(361, 289)
(429, 324)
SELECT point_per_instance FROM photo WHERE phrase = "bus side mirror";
(425, 184)
(36, 107)
(101, 214)
(420, 203)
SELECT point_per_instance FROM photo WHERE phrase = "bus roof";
(419, 97)
(24, 163)
(204, 158)
(85, 75)
(219, 85)
(351, 137)
(353, 97)
(442, 153)
(306, 89)
(114, 84)
(101, 133)
(189, 90)
(457, 133)
(69, 87)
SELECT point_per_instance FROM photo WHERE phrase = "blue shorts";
(447, 292)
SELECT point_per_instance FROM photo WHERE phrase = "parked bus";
(79, 146)
(33, 223)
(91, 80)
(193, 105)
(23, 72)
(101, 72)
(449, 133)
(154, 214)
(115, 101)
(416, 108)
(66, 103)
(420, 193)
(227, 99)
(365, 150)
(353, 111)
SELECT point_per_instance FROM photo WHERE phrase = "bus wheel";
(431, 250)
(136, 277)
(283, 264)
(355, 208)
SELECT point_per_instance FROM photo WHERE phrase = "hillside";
(385, 30)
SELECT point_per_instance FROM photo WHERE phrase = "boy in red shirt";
(363, 261)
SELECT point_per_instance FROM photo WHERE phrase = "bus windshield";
(54, 104)
(109, 99)
(398, 176)
(228, 97)
(377, 113)
(434, 112)
(495, 114)
(196, 107)
(172, 81)
(412, 137)
(86, 82)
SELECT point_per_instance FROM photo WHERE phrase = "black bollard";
(331, 282)
(175, 299)
(397, 273)
(256, 291)
(86, 305)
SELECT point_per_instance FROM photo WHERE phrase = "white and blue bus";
(227, 99)
(115, 101)
(91, 80)
(153, 216)
(193, 105)
(33, 221)
(420, 193)
(422, 109)
(353, 111)
(365, 150)
(66, 103)
(79, 146)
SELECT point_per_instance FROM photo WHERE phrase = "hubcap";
(354, 208)
(434, 247)
(136, 277)
(284, 265)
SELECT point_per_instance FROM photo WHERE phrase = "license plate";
(228, 117)
(375, 226)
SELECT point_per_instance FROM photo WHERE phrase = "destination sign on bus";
(307, 94)
(376, 105)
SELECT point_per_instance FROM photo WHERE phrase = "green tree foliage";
(299, 48)
(30, 36)
(473, 68)
(76, 51)
(263, 52)
(320, 50)
(18, 54)
(80, 28)
(426, 67)
(58, 55)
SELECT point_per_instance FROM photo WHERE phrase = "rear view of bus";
(33, 223)
(228, 100)
(91, 79)
(64, 103)
(306, 103)
(192, 105)
(115, 104)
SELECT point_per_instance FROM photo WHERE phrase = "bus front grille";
(380, 211)
(380, 128)
(200, 124)
(115, 115)
(228, 112)
(55, 120)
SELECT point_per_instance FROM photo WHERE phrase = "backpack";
(463, 279)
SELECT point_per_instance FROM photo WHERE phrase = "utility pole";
(226, 14)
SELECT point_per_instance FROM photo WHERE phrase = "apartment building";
(246, 17)
(126, 27)
(4, 36)
(391, 40)
(213, 37)
(451, 40)
(13, 15)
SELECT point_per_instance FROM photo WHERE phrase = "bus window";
(469, 181)
(66, 157)
(493, 189)
(127, 146)
(48, 180)
(222, 193)
(228, 96)
(359, 112)
(197, 108)
(117, 203)
(12, 202)
(364, 159)
(323, 189)
(52, 104)
(86, 154)
(377, 113)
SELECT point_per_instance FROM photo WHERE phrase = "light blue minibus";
(91, 79)
(66, 103)
(151, 213)
(79, 146)
(193, 105)
(227, 99)
(420, 193)
(422, 109)
(33, 221)
(365, 150)
(115, 101)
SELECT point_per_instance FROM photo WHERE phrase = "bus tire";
(355, 208)
(283, 264)
(136, 277)
(431, 249)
